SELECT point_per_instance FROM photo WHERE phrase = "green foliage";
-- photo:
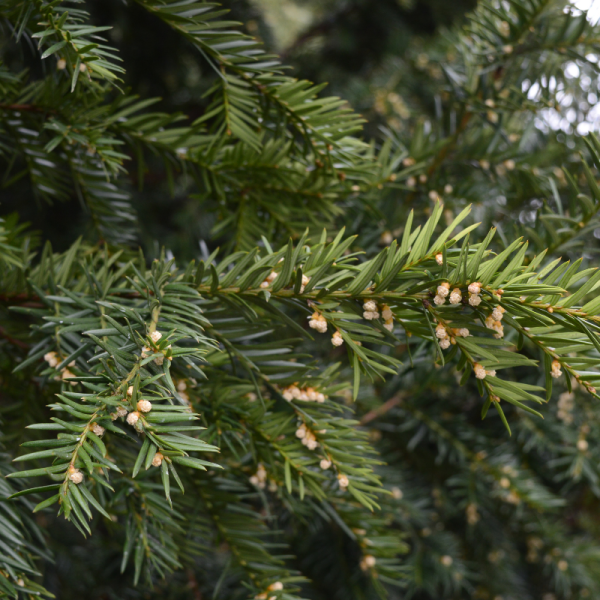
(271, 419)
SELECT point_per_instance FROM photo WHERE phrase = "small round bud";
(455, 296)
(443, 289)
(479, 370)
(387, 313)
(98, 429)
(370, 306)
(325, 464)
(386, 238)
(157, 459)
(337, 339)
(51, 358)
(474, 299)
(144, 406)
(61, 64)
(76, 476)
(155, 336)
(133, 417)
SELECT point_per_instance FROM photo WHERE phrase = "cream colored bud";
(275, 587)
(76, 476)
(386, 238)
(51, 358)
(337, 339)
(370, 315)
(440, 332)
(343, 481)
(387, 313)
(325, 464)
(443, 290)
(479, 371)
(157, 459)
(455, 296)
(98, 429)
(370, 305)
(61, 64)
(144, 406)
(439, 258)
(133, 417)
(155, 336)
(474, 300)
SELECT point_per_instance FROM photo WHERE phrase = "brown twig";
(320, 28)
(25, 108)
(13, 340)
(381, 410)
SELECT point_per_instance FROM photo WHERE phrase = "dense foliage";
(232, 338)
